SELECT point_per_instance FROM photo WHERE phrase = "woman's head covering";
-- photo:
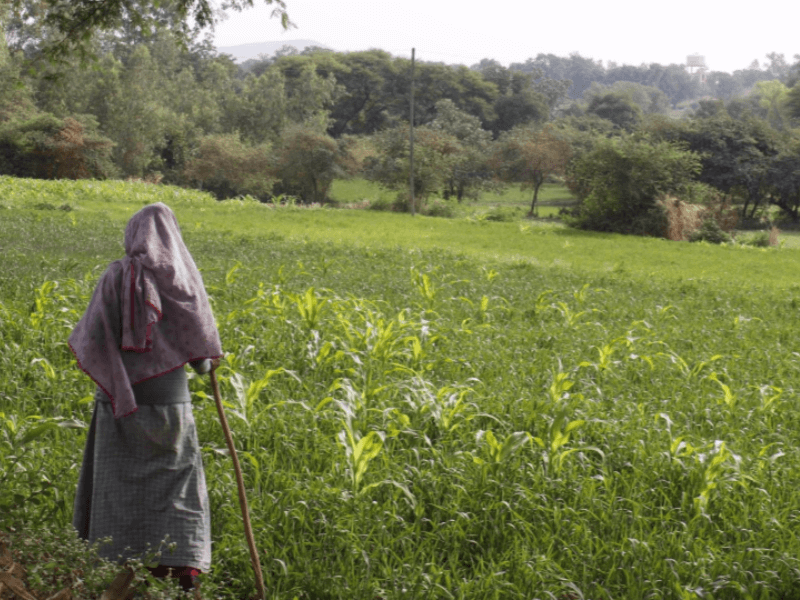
(149, 313)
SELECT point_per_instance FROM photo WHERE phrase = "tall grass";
(445, 409)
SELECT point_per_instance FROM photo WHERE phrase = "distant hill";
(245, 52)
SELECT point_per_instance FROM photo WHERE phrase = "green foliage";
(793, 101)
(435, 154)
(620, 181)
(528, 155)
(307, 162)
(735, 154)
(650, 100)
(711, 232)
(759, 239)
(227, 168)
(502, 214)
(617, 108)
(470, 174)
(71, 26)
(440, 208)
(50, 148)
(772, 96)
(519, 109)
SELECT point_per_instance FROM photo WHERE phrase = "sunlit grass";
(352, 191)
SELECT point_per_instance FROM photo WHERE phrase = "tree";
(793, 101)
(75, 22)
(309, 96)
(435, 153)
(16, 99)
(617, 109)
(649, 99)
(136, 117)
(527, 155)
(259, 111)
(580, 71)
(518, 109)
(514, 82)
(308, 161)
(434, 82)
(735, 155)
(784, 178)
(772, 96)
(620, 182)
(709, 108)
(367, 97)
(470, 171)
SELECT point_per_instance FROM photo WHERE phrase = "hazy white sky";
(624, 31)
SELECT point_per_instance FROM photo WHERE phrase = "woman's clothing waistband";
(170, 388)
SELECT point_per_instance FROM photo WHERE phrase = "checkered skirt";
(142, 478)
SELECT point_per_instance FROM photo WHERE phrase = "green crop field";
(433, 408)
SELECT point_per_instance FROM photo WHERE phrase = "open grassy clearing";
(551, 196)
(465, 409)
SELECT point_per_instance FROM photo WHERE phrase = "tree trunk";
(537, 183)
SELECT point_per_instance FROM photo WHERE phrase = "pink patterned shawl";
(149, 314)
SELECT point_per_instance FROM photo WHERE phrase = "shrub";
(228, 168)
(710, 231)
(309, 161)
(440, 208)
(760, 239)
(46, 147)
(381, 203)
(620, 182)
(685, 218)
(502, 214)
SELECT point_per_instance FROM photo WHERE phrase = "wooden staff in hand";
(248, 531)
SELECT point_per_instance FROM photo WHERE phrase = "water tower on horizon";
(697, 61)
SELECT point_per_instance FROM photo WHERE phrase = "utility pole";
(411, 152)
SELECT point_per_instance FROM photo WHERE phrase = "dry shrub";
(684, 218)
(773, 236)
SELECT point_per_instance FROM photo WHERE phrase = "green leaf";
(36, 432)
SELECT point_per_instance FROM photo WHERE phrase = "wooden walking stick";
(248, 531)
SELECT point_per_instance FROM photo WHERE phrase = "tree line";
(160, 104)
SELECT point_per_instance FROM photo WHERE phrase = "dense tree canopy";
(70, 26)
(159, 103)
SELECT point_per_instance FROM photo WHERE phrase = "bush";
(228, 168)
(309, 161)
(381, 203)
(620, 182)
(711, 232)
(440, 208)
(503, 214)
(46, 147)
(686, 218)
(760, 239)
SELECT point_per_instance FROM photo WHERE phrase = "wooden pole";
(248, 531)
(411, 151)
